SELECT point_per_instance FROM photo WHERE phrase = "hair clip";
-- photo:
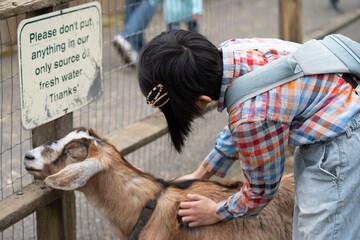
(162, 104)
(158, 90)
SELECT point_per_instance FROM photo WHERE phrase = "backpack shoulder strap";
(313, 57)
(345, 49)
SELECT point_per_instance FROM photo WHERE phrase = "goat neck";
(121, 191)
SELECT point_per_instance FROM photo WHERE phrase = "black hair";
(187, 65)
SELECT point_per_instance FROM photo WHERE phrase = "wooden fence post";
(290, 20)
(56, 221)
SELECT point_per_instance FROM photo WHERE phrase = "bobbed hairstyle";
(186, 65)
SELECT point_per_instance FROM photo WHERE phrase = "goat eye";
(78, 153)
(71, 154)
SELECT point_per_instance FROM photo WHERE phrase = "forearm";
(222, 156)
(202, 173)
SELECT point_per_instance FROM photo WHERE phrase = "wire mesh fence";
(123, 103)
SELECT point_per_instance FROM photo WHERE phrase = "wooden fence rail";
(11, 8)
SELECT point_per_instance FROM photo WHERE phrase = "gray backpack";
(334, 54)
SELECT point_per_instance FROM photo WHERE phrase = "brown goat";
(86, 161)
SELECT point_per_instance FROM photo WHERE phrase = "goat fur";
(120, 191)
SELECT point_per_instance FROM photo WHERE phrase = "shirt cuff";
(223, 212)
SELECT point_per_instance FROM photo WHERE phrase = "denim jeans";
(327, 187)
(138, 14)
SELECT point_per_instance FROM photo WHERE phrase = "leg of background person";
(137, 16)
(335, 5)
(193, 26)
(130, 6)
(121, 40)
(137, 22)
(172, 26)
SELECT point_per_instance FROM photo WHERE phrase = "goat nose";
(29, 156)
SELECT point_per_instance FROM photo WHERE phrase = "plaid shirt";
(307, 110)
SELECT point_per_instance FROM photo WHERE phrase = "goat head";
(67, 163)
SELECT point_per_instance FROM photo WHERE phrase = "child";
(180, 72)
(181, 11)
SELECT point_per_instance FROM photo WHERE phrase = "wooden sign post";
(290, 20)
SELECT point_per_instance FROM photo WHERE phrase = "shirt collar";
(228, 75)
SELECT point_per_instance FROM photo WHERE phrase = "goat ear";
(74, 175)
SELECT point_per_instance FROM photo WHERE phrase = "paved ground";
(123, 104)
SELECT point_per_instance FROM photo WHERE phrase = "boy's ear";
(205, 99)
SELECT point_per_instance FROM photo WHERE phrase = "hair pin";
(157, 100)
(158, 90)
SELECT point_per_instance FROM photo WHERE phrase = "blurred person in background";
(181, 11)
(130, 41)
(335, 6)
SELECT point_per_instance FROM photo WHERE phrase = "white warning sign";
(60, 63)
